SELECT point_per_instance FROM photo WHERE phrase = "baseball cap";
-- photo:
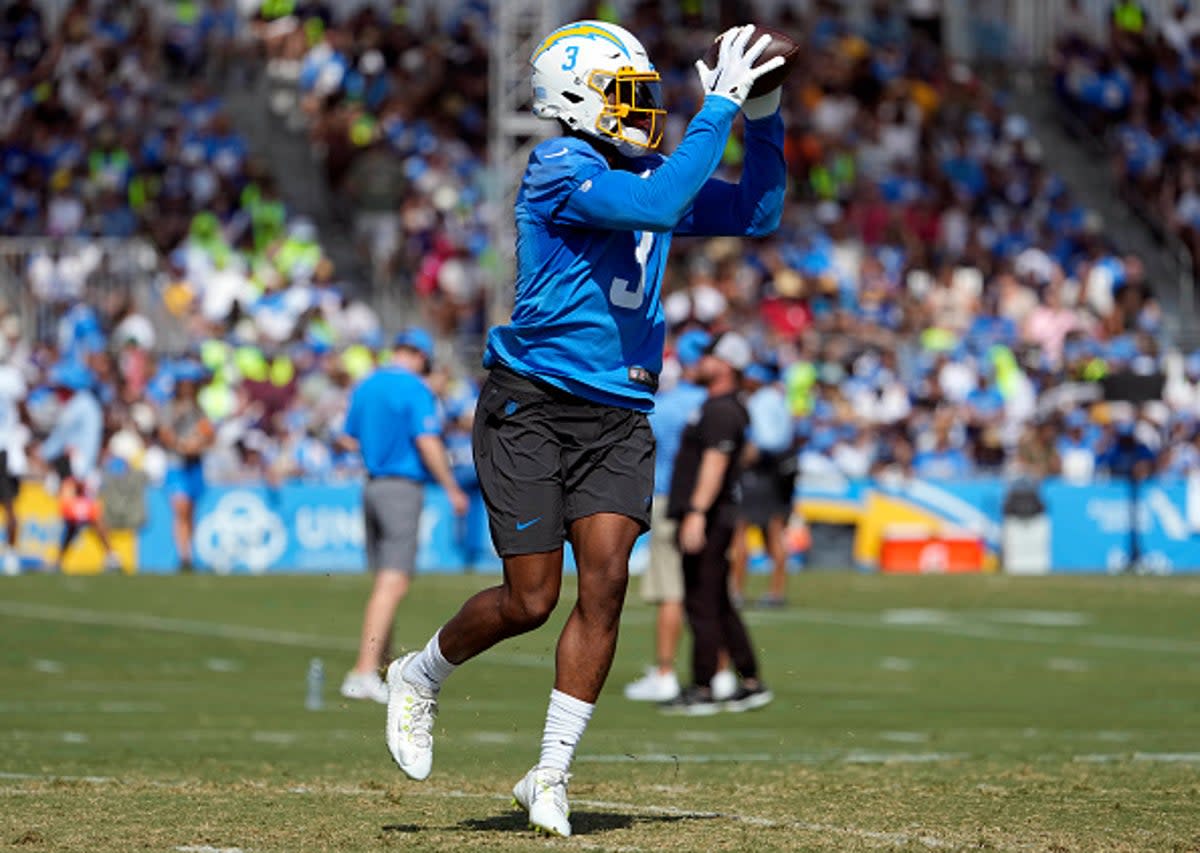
(760, 373)
(691, 346)
(733, 349)
(418, 339)
(70, 375)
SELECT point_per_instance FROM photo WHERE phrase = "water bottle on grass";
(315, 698)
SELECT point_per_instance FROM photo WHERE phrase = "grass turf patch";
(984, 713)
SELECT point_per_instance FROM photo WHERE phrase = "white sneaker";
(653, 687)
(365, 685)
(723, 685)
(410, 714)
(543, 794)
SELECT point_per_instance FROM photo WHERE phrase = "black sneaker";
(692, 702)
(748, 699)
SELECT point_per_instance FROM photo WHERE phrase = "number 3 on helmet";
(597, 79)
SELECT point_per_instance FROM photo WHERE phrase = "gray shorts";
(392, 512)
(663, 579)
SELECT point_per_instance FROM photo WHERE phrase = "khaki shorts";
(663, 578)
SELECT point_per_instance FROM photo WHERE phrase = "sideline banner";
(40, 530)
(307, 529)
(318, 528)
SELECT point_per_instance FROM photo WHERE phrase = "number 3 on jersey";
(619, 294)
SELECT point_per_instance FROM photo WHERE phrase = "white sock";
(566, 719)
(429, 668)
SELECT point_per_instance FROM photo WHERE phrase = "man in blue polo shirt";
(394, 422)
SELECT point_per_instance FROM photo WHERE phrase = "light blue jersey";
(592, 245)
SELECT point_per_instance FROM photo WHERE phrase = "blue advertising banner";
(319, 528)
(306, 528)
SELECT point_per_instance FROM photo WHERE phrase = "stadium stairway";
(1082, 162)
(283, 145)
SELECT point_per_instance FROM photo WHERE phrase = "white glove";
(735, 72)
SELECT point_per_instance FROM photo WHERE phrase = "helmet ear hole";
(573, 97)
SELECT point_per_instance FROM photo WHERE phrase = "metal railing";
(41, 276)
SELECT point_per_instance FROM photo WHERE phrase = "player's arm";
(427, 428)
(713, 465)
(753, 206)
(619, 200)
(719, 433)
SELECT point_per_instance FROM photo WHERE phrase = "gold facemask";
(632, 101)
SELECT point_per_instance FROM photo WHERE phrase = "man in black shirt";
(704, 497)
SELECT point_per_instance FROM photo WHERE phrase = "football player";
(562, 444)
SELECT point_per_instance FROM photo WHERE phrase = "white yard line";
(133, 620)
(875, 621)
(851, 757)
(53, 707)
(194, 627)
(959, 628)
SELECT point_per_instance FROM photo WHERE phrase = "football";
(781, 45)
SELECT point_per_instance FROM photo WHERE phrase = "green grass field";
(983, 713)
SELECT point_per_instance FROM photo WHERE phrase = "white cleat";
(654, 686)
(365, 685)
(410, 714)
(723, 685)
(543, 794)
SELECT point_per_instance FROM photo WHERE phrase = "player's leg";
(392, 511)
(706, 582)
(10, 485)
(517, 458)
(608, 465)
(734, 637)
(523, 602)
(739, 553)
(783, 480)
(776, 550)
(662, 586)
(69, 532)
(602, 544)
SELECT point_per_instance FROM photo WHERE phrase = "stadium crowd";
(935, 304)
(1132, 83)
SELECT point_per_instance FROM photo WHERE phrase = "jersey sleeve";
(618, 200)
(753, 206)
(556, 168)
(423, 413)
(722, 429)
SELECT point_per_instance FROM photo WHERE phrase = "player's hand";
(459, 502)
(735, 72)
(692, 533)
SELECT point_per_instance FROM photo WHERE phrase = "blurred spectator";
(187, 435)
(72, 451)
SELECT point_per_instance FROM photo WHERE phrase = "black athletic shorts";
(10, 485)
(546, 458)
(768, 489)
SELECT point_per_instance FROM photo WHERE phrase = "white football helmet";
(597, 79)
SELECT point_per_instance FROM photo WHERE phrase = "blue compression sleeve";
(753, 206)
(619, 200)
